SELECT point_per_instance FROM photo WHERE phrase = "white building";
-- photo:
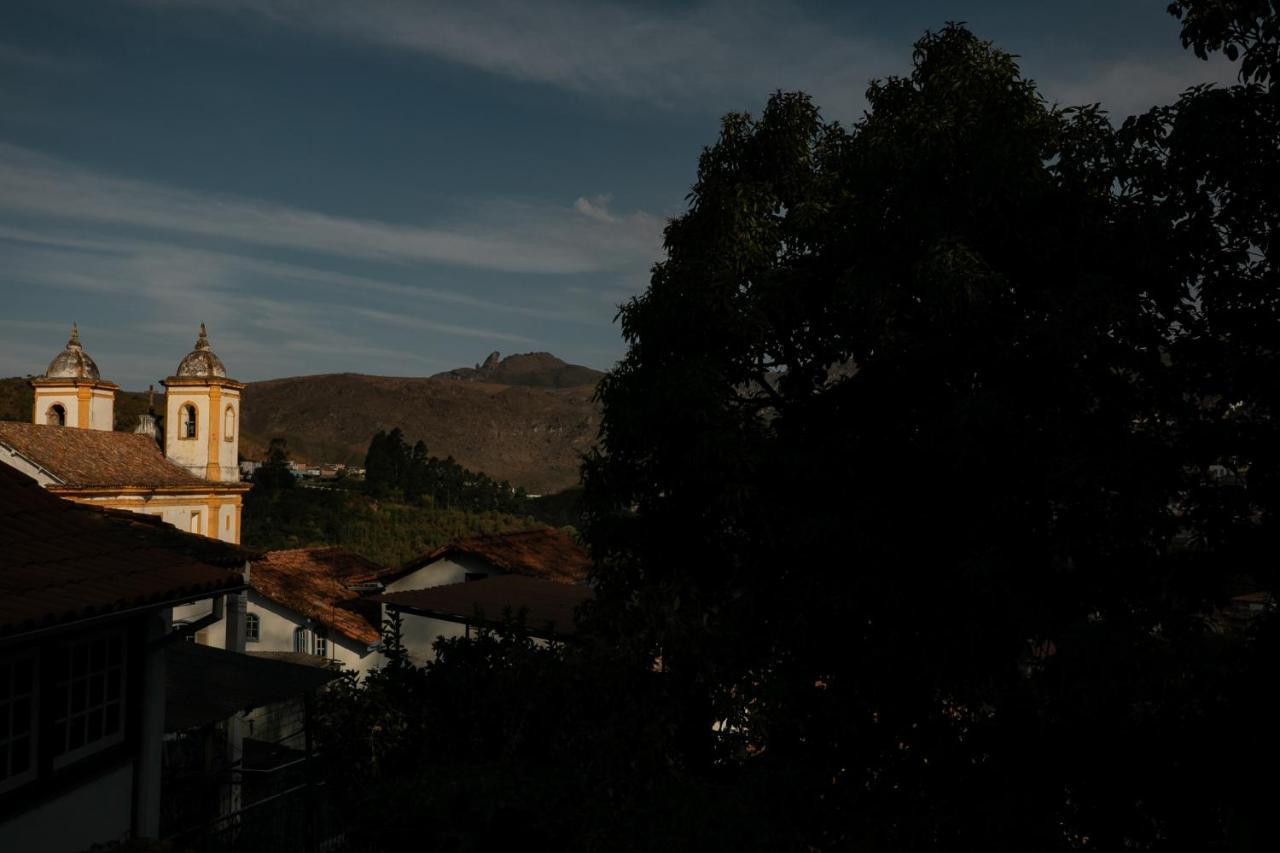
(545, 554)
(71, 447)
(84, 627)
(311, 600)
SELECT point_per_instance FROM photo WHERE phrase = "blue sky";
(400, 187)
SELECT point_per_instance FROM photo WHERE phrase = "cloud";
(1132, 86)
(596, 208)
(730, 53)
(504, 236)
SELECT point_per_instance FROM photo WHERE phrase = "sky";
(401, 188)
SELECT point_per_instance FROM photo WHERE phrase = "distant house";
(85, 597)
(309, 600)
(546, 555)
(545, 608)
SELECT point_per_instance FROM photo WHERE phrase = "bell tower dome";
(202, 415)
(71, 393)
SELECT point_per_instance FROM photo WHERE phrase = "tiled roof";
(547, 606)
(545, 553)
(314, 582)
(92, 457)
(62, 562)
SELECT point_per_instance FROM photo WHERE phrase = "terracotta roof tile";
(91, 457)
(314, 582)
(62, 562)
(545, 553)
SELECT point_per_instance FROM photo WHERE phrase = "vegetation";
(940, 442)
(394, 468)
(280, 514)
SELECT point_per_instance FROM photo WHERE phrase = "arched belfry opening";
(56, 416)
(190, 426)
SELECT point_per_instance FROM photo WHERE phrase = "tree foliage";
(941, 443)
(938, 440)
(393, 468)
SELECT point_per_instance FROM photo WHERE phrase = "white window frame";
(302, 640)
(72, 755)
(255, 635)
(320, 646)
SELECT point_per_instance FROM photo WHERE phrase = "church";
(185, 471)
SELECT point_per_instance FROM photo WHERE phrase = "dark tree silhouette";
(934, 450)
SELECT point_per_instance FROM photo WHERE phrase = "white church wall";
(229, 445)
(66, 399)
(191, 453)
(102, 410)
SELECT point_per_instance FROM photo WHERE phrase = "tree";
(274, 473)
(905, 476)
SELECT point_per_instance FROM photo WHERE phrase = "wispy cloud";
(1131, 86)
(505, 236)
(725, 51)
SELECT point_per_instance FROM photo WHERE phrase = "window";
(88, 696)
(56, 416)
(195, 522)
(188, 422)
(252, 627)
(322, 646)
(17, 719)
(301, 640)
(229, 424)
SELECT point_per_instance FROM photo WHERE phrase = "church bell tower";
(202, 415)
(71, 393)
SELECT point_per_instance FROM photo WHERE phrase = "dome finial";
(201, 361)
(73, 362)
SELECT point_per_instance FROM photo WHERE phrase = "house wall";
(275, 634)
(98, 811)
(419, 633)
(13, 460)
(443, 571)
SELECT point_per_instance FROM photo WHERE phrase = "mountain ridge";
(526, 429)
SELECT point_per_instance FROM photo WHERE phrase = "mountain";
(534, 369)
(526, 418)
(531, 436)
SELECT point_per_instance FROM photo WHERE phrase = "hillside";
(530, 436)
(530, 428)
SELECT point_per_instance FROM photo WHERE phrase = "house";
(310, 601)
(545, 555)
(544, 608)
(71, 448)
(85, 598)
